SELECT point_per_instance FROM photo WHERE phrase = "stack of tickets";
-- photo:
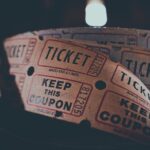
(76, 74)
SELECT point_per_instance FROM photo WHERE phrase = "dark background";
(22, 130)
(22, 15)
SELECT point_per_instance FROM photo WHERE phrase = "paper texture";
(75, 81)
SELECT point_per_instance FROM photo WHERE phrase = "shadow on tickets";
(23, 130)
(20, 130)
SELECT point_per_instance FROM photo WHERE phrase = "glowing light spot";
(95, 13)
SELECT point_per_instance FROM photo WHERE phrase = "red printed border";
(101, 104)
(75, 99)
(141, 53)
(65, 42)
(27, 47)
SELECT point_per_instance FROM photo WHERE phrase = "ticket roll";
(74, 81)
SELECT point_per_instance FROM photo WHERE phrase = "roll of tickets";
(122, 45)
(73, 81)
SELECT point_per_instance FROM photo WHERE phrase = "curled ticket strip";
(75, 81)
(125, 49)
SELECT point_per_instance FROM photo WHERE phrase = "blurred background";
(23, 15)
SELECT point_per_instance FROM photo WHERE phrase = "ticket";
(73, 81)
(20, 51)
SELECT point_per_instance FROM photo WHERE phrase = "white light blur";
(95, 13)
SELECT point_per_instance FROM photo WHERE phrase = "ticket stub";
(20, 50)
(72, 81)
(125, 115)
(56, 94)
(124, 79)
(75, 58)
(138, 62)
